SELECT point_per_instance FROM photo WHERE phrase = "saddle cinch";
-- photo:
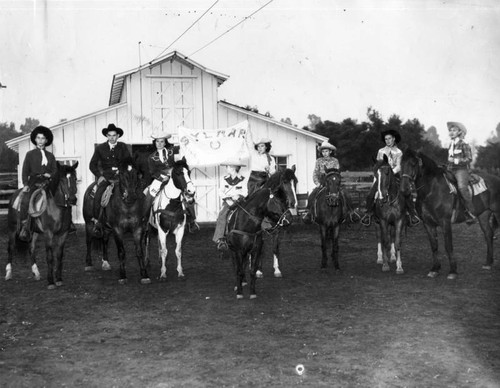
(477, 186)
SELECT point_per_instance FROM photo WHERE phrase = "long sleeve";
(94, 162)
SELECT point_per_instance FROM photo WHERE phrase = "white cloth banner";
(203, 147)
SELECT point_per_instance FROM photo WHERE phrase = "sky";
(436, 61)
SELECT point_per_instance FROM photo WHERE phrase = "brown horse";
(390, 211)
(50, 212)
(273, 201)
(124, 213)
(436, 205)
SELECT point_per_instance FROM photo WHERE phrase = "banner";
(203, 147)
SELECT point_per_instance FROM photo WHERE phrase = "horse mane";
(273, 181)
(428, 165)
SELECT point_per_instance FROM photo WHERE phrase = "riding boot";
(470, 218)
(191, 219)
(370, 203)
(413, 218)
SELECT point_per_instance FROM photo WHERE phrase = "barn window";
(281, 162)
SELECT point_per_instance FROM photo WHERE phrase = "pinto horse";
(390, 210)
(168, 214)
(124, 213)
(272, 201)
(50, 212)
(435, 204)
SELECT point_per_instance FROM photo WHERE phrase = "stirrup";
(193, 227)
(222, 245)
(366, 220)
(307, 218)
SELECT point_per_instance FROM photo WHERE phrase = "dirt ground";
(356, 327)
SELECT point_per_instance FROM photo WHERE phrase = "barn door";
(206, 181)
(173, 104)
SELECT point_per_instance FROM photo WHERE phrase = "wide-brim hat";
(45, 132)
(393, 132)
(233, 162)
(327, 146)
(160, 134)
(112, 127)
(460, 126)
(263, 140)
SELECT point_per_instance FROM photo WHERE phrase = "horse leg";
(276, 254)
(448, 245)
(433, 240)
(178, 251)
(335, 246)
(32, 253)
(139, 253)
(256, 262)
(380, 253)
(49, 251)
(386, 244)
(59, 253)
(88, 242)
(105, 266)
(484, 222)
(397, 246)
(162, 248)
(239, 266)
(392, 231)
(118, 234)
(10, 253)
(323, 230)
(146, 247)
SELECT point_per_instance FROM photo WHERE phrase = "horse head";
(128, 182)
(331, 181)
(181, 177)
(384, 178)
(67, 182)
(283, 197)
(411, 165)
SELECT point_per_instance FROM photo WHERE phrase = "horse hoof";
(400, 271)
(451, 276)
(59, 283)
(122, 281)
(106, 266)
(162, 278)
(253, 296)
(432, 274)
(380, 261)
(89, 268)
(8, 277)
(393, 259)
(51, 287)
(385, 268)
(278, 275)
(239, 296)
(146, 281)
(259, 275)
(488, 267)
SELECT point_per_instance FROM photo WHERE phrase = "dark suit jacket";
(33, 165)
(104, 159)
(156, 166)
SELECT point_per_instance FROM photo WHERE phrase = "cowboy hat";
(160, 134)
(112, 127)
(327, 146)
(393, 132)
(460, 126)
(233, 162)
(263, 140)
(45, 132)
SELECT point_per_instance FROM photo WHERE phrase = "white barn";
(169, 92)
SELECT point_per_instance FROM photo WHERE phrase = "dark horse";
(272, 201)
(435, 204)
(390, 211)
(168, 214)
(327, 213)
(50, 212)
(124, 213)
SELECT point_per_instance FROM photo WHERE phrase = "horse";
(435, 203)
(327, 213)
(168, 215)
(50, 212)
(390, 210)
(123, 213)
(272, 202)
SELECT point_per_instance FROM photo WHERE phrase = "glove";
(101, 179)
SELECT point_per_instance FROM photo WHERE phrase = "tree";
(29, 125)
(313, 121)
(488, 157)
(432, 135)
(8, 159)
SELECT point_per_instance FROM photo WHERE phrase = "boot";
(307, 218)
(470, 218)
(193, 226)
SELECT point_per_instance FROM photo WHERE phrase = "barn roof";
(272, 121)
(119, 79)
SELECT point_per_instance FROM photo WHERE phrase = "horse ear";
(293, 168)
(74, 166)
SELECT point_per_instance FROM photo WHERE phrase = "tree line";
(9, 159)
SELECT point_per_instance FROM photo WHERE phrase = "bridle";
(332, 199)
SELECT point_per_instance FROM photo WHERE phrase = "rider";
(105, 163)
(262, 164)
(37, 163)
(233, 188)
(160, 165)
(459, 159)
(394, 155)
(328, 161)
